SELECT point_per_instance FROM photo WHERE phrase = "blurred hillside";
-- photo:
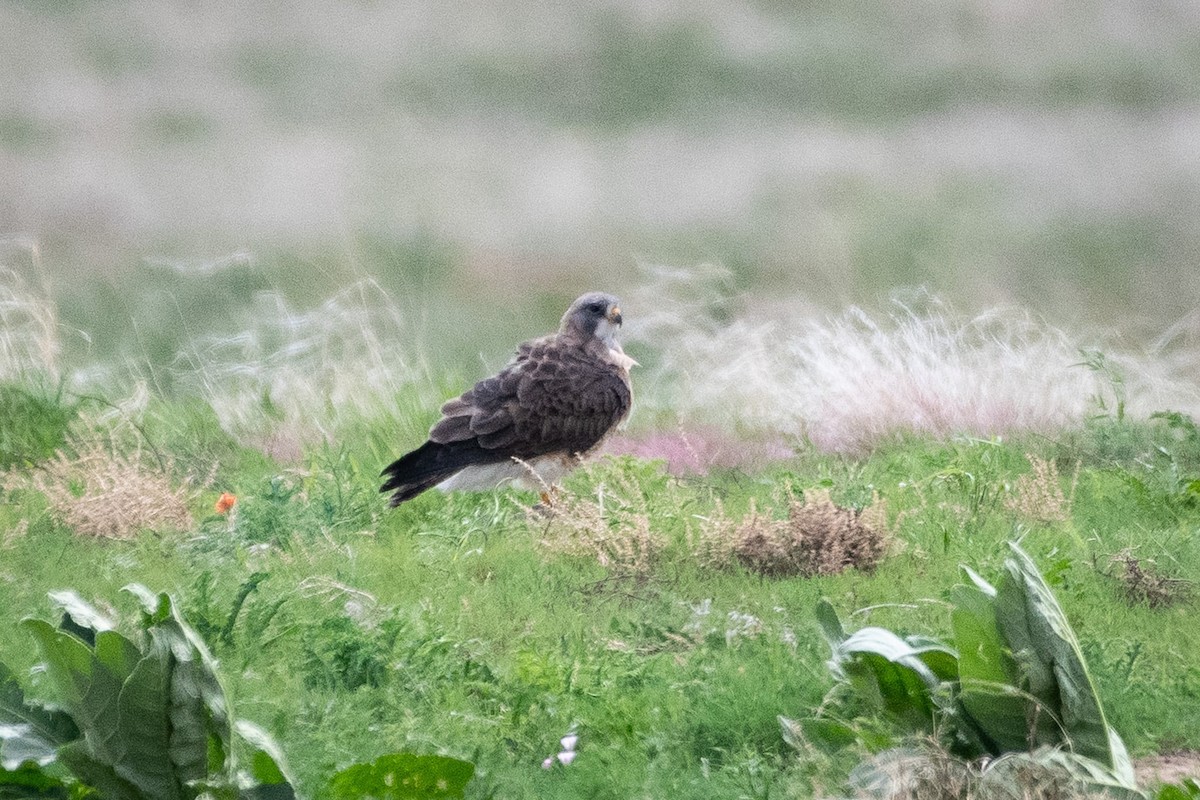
(468, 154)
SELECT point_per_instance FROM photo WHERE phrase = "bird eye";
(596, 308)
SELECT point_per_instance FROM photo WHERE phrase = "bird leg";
(546, 507)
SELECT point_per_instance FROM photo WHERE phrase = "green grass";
(443, 627)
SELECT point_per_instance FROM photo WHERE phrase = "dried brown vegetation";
(928, 772)
(817, 537)
(107, 494)
(613, 529)
(1141, 582)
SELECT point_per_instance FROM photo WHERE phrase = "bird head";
(594, 314)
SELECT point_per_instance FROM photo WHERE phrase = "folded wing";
(553, 399)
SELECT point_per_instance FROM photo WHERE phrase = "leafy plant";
(341, 653)
(273, 515)
(139, 720)
(150, 721)
(1100, 364)
(216, 625)
(1014, 680)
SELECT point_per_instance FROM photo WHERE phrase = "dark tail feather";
(424, 468)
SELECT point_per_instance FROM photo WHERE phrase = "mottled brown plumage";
(555, 402)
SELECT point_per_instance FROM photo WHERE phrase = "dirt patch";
(1168, 768)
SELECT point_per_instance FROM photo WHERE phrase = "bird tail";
(424, 468)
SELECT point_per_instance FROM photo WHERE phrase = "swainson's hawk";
(554, 403)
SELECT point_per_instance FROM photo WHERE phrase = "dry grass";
(614, 529)
(818, 537)
(14, 534)
(928, 772)
(100, 493)
(700, 449)
(1038, 495)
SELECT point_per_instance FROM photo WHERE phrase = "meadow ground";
(660, 615)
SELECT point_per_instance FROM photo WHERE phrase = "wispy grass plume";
(848, 381)
(297, 373)
(29, 341)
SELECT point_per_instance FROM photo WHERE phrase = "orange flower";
(225, 502)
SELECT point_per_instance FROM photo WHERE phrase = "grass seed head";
(1038, 495)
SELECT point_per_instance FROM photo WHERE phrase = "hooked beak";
(614, 315)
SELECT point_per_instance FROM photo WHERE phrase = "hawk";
(533, 421)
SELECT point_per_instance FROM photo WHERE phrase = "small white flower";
(568, 741)
(566, 757)
(548, 763)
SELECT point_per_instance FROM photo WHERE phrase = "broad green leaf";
(1029, 638)
(116, 654)
(889, 673)
(28, 732)
(97, 774)
(941, 660)
(896, 689)
(987, 673)
(29, 783)
(195, 745)
(1033, 622)
(831, 626)
(81, 611)
(69, 663)
(99, 712)
(167, 626)
(267, 766)
(143, 728)
(403, 776)
(155, 607)
(982, 585)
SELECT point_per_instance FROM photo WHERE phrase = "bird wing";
(555, 397)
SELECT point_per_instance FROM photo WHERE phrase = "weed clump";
(343, 653)
(106, 494)
(818, 537)
(1141, 582)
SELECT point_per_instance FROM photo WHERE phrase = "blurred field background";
(376, 194)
